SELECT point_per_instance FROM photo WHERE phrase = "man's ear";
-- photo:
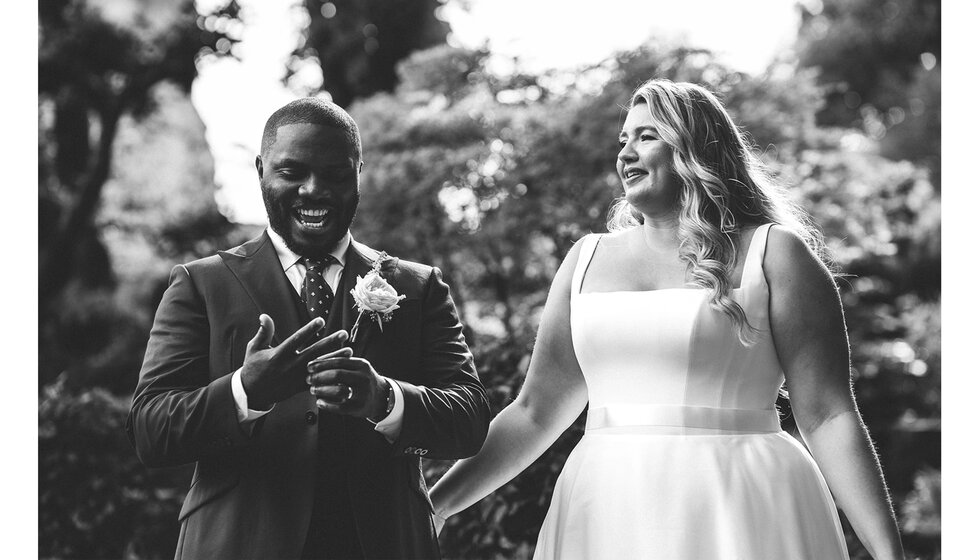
(258, 165)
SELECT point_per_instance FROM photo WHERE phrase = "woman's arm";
(553, 396)
(808, 330)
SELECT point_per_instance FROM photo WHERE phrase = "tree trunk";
(56, 261)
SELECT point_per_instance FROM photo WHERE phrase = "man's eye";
(289, 173)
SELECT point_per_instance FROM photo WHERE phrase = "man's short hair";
(313, 110)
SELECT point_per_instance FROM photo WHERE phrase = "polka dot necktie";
(316, 293)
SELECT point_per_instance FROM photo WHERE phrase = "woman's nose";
(627, 153)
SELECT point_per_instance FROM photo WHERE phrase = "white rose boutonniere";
(374, 297)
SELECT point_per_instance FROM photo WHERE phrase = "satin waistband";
(728, 420)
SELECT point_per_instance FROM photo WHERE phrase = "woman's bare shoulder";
(788, 259)
(563, 278)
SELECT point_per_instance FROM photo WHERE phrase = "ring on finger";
(349, 394)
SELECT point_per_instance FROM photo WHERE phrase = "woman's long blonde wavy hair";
(725, 188)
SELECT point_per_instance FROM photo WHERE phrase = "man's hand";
(347, 385)
(269, 374)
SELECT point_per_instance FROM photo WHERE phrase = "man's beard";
(280, 214)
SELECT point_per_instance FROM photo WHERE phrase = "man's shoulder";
(409, 278)
(203, 264)
(216, 261)
(395, 268)
(392, 260)
(416, 269)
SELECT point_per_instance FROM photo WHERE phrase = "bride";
(677, 330)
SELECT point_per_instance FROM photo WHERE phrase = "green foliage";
(880, 62)
(359, 43)
(125, 191)
(872, 47)
(921, 507)
(95, 499)
(100, 68)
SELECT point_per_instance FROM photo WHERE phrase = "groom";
(306, 444)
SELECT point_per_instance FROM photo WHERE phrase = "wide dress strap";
(752, 274)
(589, 243)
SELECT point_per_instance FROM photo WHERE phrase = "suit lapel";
(359, 259)
(257, 267)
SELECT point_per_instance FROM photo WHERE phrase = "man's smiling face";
(310, 177)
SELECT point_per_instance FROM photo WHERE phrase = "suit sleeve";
(447, 416)
(179, 413)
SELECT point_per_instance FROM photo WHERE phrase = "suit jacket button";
(310, 417)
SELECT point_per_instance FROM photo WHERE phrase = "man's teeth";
(312, 213)
(311, 217)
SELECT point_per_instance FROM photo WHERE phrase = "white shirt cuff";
(245, 414)
(391, 426)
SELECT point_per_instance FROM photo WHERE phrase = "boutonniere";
(374, 297)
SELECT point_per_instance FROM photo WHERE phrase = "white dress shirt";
(292, 265)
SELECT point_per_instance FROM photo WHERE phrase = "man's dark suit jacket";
(252, 491)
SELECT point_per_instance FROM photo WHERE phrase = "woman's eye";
(647, 137)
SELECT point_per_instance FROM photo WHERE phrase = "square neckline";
(741, 279)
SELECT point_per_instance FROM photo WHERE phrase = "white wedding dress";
(683, 457)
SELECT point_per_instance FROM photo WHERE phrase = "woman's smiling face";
(645, 164)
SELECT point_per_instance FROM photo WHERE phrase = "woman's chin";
(641, 199)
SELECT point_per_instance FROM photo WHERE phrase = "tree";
(97, 65)
(360, 42)
(881, 63)
(92, 71)
(125, 188)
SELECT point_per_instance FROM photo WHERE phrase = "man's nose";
(313, 186)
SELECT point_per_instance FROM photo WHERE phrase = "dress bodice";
(665, 357)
